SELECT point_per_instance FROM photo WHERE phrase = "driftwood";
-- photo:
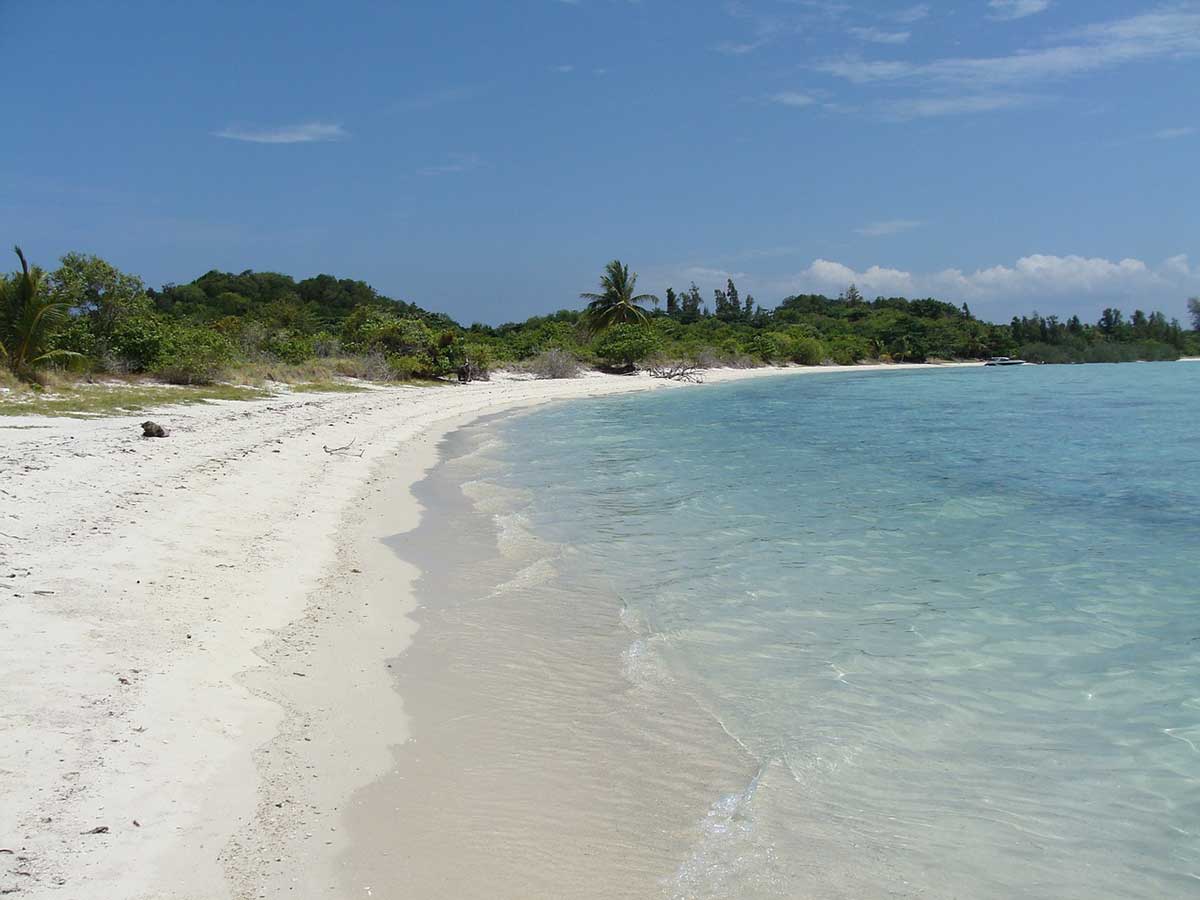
(471, 371)
(333, 451)
(676, 370)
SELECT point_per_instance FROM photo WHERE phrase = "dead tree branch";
(333, 451)
(676, 370)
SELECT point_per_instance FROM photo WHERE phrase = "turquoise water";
(951, 618)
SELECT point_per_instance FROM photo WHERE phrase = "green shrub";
(77, 337)
(369, 330)
(807, 351)
(1098, 352)
(623, 346)
(530, 341)
(290, 347)
(141, 342)
(404, 367)
(769, 346)
(846, 350)
(479, 357)
(194, 355)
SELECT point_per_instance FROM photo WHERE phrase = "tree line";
(88, 317)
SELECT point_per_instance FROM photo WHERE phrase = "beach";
(194, 664)
(801, 637)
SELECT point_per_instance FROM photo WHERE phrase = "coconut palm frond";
(56, 354)
(29, 316)
(616, 303)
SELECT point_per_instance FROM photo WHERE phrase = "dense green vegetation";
(1112, 339)
(87, 317)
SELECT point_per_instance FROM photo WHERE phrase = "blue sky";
(488, 158)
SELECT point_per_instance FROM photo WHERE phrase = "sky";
(488, 158)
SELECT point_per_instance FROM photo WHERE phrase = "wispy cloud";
(564, 69)
(911, 14)
(955, 85)
(879, 36)
(305, 133)
(1017, 9)
(455, 164)
(1170, 33)
(1170, 134)
(740, 48)
(907, 108)
(767, 27)
(792, 98)
(888, 227)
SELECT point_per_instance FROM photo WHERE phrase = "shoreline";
(161, 594)
(517, 689)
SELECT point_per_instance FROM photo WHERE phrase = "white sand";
(186, 656)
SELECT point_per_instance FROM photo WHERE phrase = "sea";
(923, 633)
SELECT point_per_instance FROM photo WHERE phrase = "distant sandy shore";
(193, 657)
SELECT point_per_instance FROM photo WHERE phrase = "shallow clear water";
(952, 619)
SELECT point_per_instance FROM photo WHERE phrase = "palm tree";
(616, 304)
(28, 318)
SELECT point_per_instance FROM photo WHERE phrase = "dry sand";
(193, 655)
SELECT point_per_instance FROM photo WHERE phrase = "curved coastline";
(213, 573)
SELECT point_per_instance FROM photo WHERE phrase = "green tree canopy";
(98, 290)
(616, 303)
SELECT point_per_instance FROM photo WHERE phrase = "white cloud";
(1168, 134)
(1178, 265)
(887, 227)
(879, 36)
(1054, 284)
(1017, 9)
(832, 276)
(306, 133)
(792, 98)
(1030, 278)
